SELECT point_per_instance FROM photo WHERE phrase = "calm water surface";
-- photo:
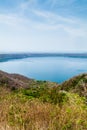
(57, 69)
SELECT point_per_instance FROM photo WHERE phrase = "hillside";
(27, 104)
(14, 81)
(77, 84)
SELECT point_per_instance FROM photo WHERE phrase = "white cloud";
(59, 3)
(53, 17)
(14, 20)
(72, 26)
(28, 4)
(51, 21)
(9, 19)
(41, 28)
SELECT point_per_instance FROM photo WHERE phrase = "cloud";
(14, 20)
(9, 19)
(51, 21)
(59, 3)
(42, 20)
(53, 17)
(26, 5)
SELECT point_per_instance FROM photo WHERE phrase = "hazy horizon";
(50, 26)
(41, 52)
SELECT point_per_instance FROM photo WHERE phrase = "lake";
(56, 69)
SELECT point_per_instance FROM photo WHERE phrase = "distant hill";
(10, 56)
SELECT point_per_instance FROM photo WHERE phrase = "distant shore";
(9, 56)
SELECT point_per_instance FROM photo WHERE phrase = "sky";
(43, 26)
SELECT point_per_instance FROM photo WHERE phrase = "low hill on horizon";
(11, 56)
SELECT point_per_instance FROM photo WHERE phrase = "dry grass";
(19, 113)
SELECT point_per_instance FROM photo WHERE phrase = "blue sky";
(43, 25)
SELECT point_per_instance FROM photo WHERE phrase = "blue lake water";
(57, 69)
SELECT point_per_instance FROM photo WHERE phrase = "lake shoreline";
(10, 56)
(44, 67)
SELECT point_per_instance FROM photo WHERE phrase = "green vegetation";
(43, 105)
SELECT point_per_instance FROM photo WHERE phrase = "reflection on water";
(57, 69)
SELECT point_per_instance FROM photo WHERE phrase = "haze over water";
(56, 69)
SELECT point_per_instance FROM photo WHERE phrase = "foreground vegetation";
(44, 106)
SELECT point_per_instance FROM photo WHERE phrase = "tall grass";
(21, 111)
